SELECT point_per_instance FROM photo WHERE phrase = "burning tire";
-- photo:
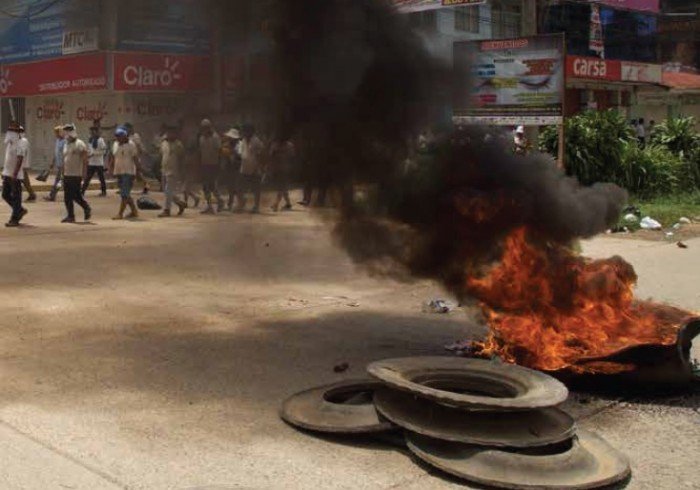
(339, 408)
(473, 384)
(505, 429)
(588, 462)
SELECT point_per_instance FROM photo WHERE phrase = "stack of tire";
(482, 421)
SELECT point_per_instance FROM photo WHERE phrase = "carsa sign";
(61, 75)
(593, 68)
(161, 72)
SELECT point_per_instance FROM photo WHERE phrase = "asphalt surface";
(154, 354)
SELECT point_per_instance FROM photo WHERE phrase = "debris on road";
(341, 368)
(685, 221)
(681, 245)
(648, 223)
(632, 218)
(455, 417)
(633, 210)
(439, 306)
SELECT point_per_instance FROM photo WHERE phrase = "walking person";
(75, 161)
(24, 142)
(135, 138)
(231, 165)
(13, 174)
(282, 157)
(172, 166)
(124, 161)
(97, 149)
(251, 150)
(209, 153)
(57, 162)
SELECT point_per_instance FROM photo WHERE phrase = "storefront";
(144, 89)
(599, 84)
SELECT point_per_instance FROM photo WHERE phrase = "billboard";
(512, 81)
(34, 29)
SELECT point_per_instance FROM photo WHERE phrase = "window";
(467, 19)
(424, 20)
(506, 19)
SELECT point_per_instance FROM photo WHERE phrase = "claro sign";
(161, 72)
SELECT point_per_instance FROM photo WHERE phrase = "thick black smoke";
(355, 86)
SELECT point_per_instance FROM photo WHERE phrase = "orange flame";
(550, 309)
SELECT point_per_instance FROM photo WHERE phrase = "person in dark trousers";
(282, 156)
(251, 150)
(24, 142)
(231, 165)
(209, 154)
(97, 149)
(57, 162)
(75, 160)
(13, 174)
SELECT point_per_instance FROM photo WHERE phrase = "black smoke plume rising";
(355, 85)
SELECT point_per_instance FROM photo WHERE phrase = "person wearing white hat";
(172, 166)
(75, 162)
(13, 174)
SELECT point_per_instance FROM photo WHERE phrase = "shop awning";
(681, 81)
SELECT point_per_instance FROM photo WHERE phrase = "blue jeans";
(126, 183)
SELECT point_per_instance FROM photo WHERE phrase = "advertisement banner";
(590, 68)
(61, 75)
(142, 72)
(514, 81)
(80, 41)
(408, 6)
(641, 72)
(651, 6)
(595, 42)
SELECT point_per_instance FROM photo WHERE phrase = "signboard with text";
(144, 72)
(513, 81)
(60, 75)
(591, 68)
(641, 5)
(408, 6)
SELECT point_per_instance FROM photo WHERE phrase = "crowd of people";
(235, 164)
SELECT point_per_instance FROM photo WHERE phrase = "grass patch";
(669, 209)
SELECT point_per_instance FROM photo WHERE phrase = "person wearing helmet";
(125, 164)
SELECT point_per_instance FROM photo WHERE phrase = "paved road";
(154, 355)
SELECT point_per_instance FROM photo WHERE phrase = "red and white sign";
(595, 42)
(641, 72)
(592, 68)
(57, 76)
(161, 72)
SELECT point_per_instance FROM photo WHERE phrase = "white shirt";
(74, 158)
(251, 152)
(13, 149)
(641, 132)
(124, 155)
(27, 162)
(97, 155)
